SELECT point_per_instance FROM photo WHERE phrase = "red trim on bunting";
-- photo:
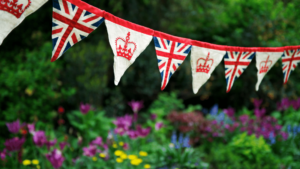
(172, 38)
(85, 6)
(128, 24)
(245, 49)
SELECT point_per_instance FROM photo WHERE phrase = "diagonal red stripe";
(162, 65)
(182, 48)
(74, 38)
(228, 72)
(90, 19)
(57, 31)
(163, 43)
(66, 7)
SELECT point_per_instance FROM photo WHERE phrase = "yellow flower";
(102, 155)
(143, 153)
(118, 152)
(123, 156)
(38, 167)
(121, 143)
(26, 162)
(94, 158)
(119, 160)
(29, 92)
(115, 145)
(35, 162)
(136, 161)
(132, 157)
(147, 166)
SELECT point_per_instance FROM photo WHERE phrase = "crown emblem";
(125, 48)
(264, 65)
(204, 65)
(14, 7)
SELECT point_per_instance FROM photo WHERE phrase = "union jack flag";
(290, 59)
(70, 24)
(235, 64)
(170, 56)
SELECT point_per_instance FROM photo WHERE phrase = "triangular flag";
(171, 51)
(235, 64)
(264, 62)
(127, 40)
(290, 59)
(12, 13)
(72, 21)
(204, 59)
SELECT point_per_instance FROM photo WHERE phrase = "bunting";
(127, 40)
(290, 59)
(12, 13)
(235, 64)
(264, 62)
(72, 21)
(171, 51)
(204, 59)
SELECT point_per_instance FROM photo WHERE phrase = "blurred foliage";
(87, 66)
(30, 87)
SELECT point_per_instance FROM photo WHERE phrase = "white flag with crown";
(203, 62)
(127, 40)
(13, 12)
(264, 62)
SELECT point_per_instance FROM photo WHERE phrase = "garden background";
(74, 101)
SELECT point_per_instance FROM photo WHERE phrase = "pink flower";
(123, 124)
(284, 135)
(39, 138)
(97, 141)
(229, 111)
(62, 145)
(136, 105)
(283, 104)
(56, 159)
(14, 144)
(244, 118)
(143, 132)
(158, 125)
(85, 108)
(50, 144)
(153, 116)
(3, 154)
(132, 134)
(14, 127)
(259, 113)
(90, 151)
(31, 128)
(257, 103)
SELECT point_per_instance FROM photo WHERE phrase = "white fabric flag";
(127, 40)
(13, 12)
(264, 62)
(203, 62)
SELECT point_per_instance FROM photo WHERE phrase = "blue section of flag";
(67, 47)
(73, 7)
(158, 60)
(54, 24)
(226, 56)
(170, 75)
(178, 44)
(56, 4)
(156, 43)
(98, 23)
(162, 75)
(87, 13)
(54, 41)
(188, 50)
(82, 37)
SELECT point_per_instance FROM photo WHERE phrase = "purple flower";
(259, 113)
(90, 151)
(85, 108)
(125, 146)
(136, 105)
(296, 104)
(257, 103)
(3, 154)
(31, 128)
(14, 144)
(153, 116)
(14, 127)
(284, 135)
(283, 105)
(143, 132)
(55, 158)
(158, 125)
(123, 124)
(62, 145)
(229, 111)
(39, 138)
(97, 141)
(132, 134)
(50, 144)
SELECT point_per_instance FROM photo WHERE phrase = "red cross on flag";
(127, 40)
(265, 60)
(205, 57)
(171, 51)
(13, 12)
(73, 20)
(236, 61)
(290, 59)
